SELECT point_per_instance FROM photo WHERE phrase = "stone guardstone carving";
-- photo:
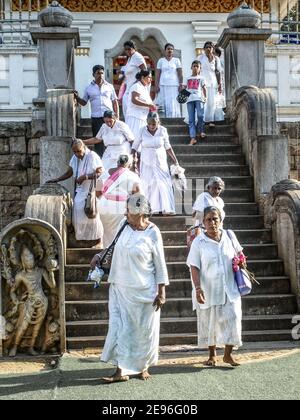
(32, 289)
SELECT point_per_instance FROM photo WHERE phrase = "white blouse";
(132, 67)
(138, 260)
(204, 200)
(169, 75)
(208, 70)
(138, 111)
(214, 260)
(116, 135)
(156, 141)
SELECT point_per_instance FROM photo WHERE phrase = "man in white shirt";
(102, 97)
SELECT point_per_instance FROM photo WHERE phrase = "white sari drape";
(112, 211)
(85, 229)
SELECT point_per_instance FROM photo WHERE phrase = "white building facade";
(104, 29)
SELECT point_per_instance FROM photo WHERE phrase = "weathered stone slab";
(4, 146)
(33, 176)
(10, 193)
(16, 177)
(34, 146)
(17, 145)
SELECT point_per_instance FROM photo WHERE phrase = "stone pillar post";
(55, 148)
(243, 44)
(56, 117)
(57, 43)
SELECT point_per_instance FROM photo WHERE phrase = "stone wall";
(292, 130)
(19, 169)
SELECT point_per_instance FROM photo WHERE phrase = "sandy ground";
(29, 365)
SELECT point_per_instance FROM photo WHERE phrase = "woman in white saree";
(83, 166)
(114, 188)
(154, 170)
(138, 277)
(117, 138)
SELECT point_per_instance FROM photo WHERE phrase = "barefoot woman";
(137, 280)
(215, 294)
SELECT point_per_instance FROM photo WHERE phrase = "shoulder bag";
(90, 207)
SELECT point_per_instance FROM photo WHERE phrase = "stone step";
(210, 159)
(178, 288)
(232, 183)
(218, 130)
(260, 268)
(182, 307)
(169, 326)
(180, 223)
(182, 139)
(179, 270)
(195, 171)
(232, 209)
(261, 236)
(97, 343)
(174, 253)
(207, 148)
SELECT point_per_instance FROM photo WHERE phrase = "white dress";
(208, 71)
(204, 200)
(117, 141)
(154, 169)
(85, 229)
(168, 85)
(220, 318)
(138, 267)
(130, 70)
(112, 211)
(136, 116)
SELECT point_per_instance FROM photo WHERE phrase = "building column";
(205, 30)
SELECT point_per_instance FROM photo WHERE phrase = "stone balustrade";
(282, 215)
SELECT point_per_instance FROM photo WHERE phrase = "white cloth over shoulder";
(112, 211)
(154, 169)
(85, 229)
(117, 141)
(204, 200)
(214, 261)
(130, 70)
(138, 266)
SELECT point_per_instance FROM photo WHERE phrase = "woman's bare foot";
(212, 361)
(230, 361)
(116, 377)
(145, 375)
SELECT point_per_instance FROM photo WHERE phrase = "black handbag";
(105, 256)
(90, 207)
(183, 96)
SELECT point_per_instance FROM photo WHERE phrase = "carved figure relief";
(31, 302)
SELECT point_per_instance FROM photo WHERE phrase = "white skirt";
(85, 229)
(211, 106)
(157, 186)
(220, 325)
(133, 336)
(112, 154)
(136, 124)
(111, 213)
(167, 99)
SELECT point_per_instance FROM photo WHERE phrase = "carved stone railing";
(253, 112)
(282, 215)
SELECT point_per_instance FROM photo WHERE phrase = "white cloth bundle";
(178, 178)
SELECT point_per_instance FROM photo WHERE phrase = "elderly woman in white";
(216, 297)
(154, 170)
(117, 138)
(137, 278)
(83, 166)
(113, 189)
(210, 197)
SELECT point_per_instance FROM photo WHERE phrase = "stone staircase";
(267, 312)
